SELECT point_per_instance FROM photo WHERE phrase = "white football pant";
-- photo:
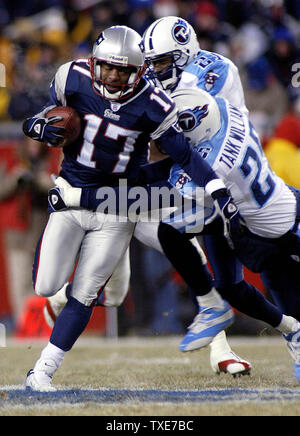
(98, 241)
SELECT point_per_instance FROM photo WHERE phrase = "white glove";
(63, 195)
(71, 196)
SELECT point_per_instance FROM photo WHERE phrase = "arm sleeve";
(149, 174)
(154, 172)
(177, 147)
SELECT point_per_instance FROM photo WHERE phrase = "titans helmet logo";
(181, 33)
(189, 119)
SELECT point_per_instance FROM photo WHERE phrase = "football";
(70, 121)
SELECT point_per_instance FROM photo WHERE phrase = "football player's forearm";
(155, 172)
(122, 200)
(178, 148)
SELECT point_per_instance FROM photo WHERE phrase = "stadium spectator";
(213, 34)
(25, 180)
(30, 85)
(282, 149)
(283, 54)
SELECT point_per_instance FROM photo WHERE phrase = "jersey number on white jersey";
(251, 166)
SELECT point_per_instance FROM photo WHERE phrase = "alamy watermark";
(2, 335)
(296, 76)
(154, 204)
(2, 76)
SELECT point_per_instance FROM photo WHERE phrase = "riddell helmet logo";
(191, 118)
(181, 33)
(115, 59)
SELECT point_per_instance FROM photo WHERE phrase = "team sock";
(70, 323)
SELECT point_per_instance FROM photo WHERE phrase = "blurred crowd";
(262, 37)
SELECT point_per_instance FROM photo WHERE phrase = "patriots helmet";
(123, 47)
(198, 114)
(171, 37)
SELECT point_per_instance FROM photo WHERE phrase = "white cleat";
(230, 363)
(54, 305)
(293, 344)
(40, 378)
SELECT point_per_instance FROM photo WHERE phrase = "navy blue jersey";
(115, 135)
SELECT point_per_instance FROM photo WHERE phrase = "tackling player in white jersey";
(269, 209)
(177, 61)
(176, 64)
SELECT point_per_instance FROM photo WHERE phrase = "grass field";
(150, 377)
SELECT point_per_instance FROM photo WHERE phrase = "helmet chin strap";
(111, 95)
(103, 91)
(169, 79)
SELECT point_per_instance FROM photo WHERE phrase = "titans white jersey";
(265, 202)
(216, 75)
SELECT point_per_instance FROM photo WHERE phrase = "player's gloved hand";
(63, 195)
(42, 129)
(229, 213)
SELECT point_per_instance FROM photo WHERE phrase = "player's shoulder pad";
(67, 78)
(208, 61)
(81, 67)
(211, 70)
(58, 84)
(79, 71)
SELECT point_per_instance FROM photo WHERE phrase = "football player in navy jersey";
(120, 112)
(181, 64)
(185, 51)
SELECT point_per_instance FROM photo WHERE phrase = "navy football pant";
(230, 283)
(283, 282)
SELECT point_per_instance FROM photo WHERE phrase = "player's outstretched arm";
(176, 145)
